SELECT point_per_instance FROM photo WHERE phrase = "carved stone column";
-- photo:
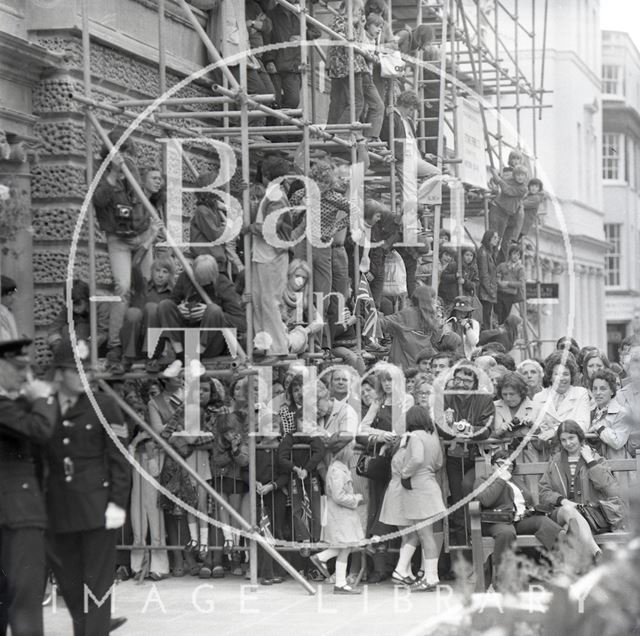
(21, 66)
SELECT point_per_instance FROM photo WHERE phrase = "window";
(612, 83)
(612, 232)
(612, 156)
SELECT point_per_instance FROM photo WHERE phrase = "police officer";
(86, 492)
(27, 418)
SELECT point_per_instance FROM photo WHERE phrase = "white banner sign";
(471, 148)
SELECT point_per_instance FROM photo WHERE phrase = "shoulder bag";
(375, 466)
(595, 517)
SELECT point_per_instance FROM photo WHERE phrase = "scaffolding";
(469, 59)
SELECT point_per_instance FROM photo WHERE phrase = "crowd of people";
(426, 424)
(413, 382)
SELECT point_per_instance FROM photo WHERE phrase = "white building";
(621, 181)
(568, 136)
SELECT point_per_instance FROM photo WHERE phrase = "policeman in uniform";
(86, 491)
(27, 418)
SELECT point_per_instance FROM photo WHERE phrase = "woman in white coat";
(609, 421)
(561, 400)
(414, 496)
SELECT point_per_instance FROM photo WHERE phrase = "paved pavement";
(190, 607)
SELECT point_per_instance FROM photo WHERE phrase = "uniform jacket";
(592, 482)
(21, 426)
(84, 469)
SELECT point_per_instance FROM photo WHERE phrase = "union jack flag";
(370, 312)
(265, 523)
(306, 506)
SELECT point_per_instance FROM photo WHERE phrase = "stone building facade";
(41, 70)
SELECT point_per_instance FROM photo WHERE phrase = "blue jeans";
(123, 253)
(339, 282)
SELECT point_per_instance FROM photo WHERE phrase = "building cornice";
(618, 116)
(24, 62)
(589, 240)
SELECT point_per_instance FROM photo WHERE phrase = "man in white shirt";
(335, 417)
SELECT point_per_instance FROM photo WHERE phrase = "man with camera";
(507, 510)
(130, 230)
(469, 414)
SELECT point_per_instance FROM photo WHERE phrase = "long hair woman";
(416, 328)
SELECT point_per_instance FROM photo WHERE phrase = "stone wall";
(59, 183)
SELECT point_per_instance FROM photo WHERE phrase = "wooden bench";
(626, 471)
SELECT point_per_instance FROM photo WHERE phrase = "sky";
(621, 15)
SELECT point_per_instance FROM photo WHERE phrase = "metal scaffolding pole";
(498, 96)
(307, 107)
(213, 51)
(149, 207)
(437, 209)
(86, 76)
(477, 76)
(251, 530)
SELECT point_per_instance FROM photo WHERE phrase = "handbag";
(376, 467)
(615, 511)
(391, 64)
(595, 517)
(395, 275)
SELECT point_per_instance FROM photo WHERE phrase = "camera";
(518, 423)
(124, 221)
(463, 427)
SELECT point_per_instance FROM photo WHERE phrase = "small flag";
(370, 312)
(306, 506)
(265, 523)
